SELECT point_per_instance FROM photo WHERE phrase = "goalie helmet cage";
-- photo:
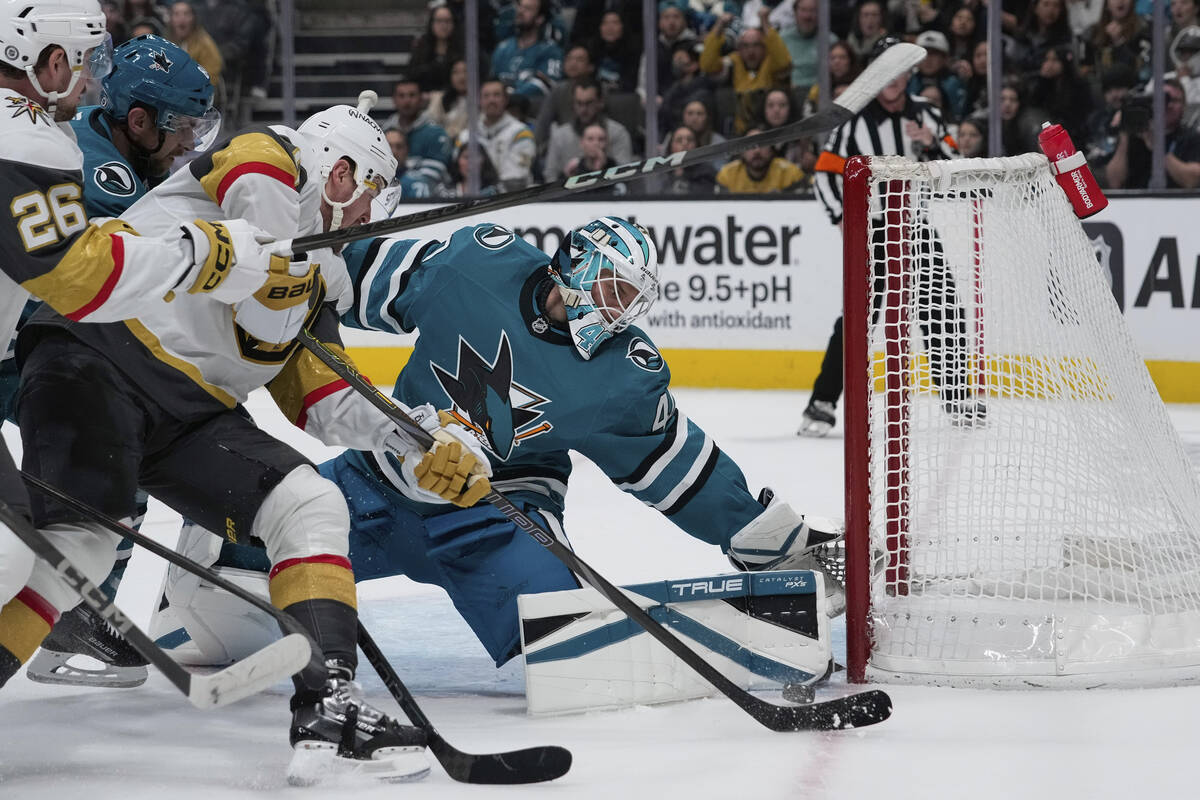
(1020, 510)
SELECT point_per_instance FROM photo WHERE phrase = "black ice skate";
(336, 733)
(83, 649)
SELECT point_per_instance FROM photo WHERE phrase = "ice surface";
(124, 744)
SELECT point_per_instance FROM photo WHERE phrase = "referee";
(896, 123)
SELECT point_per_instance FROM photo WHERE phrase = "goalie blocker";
(763, 630)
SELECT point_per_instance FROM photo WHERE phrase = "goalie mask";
(27, 27)
(156, 74)
(347, 132)
(607, 274)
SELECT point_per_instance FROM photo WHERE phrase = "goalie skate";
(336, 736)
(84, 650)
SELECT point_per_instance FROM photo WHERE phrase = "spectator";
(1121, 36)
(698, 116)
(1185, 54)
(448, 107)
(436, 50)
(934, 70)
(1184, 14)
(801, 42)
(564, 139)
(779, 110)
(488, 179)
(963, 33)
(868, 28)
(843, 68)
(910, 17)
(428, 143)
(696, 180)
(1019, 125)
(617, 56)
(690, 83)
(590, 13)
(972, 137)
(1083, 14)
(1045, 26)
(593, 157)
(673, 32)
(147, 25)
(559, 106)
(976, 84)
(185, 31)
(1059, 90)
(1129, 167)
(1100, 141)
(508, 141)
(759, 171)
(114, 21)
(529, 62)
(139, 9)
(412, 184)
(761, 62)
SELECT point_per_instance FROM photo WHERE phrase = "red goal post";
(1021, 513)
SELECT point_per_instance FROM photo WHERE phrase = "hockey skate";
(818, 419)
(336, 735)
(83, 649)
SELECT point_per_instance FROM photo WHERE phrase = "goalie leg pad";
(221, 628)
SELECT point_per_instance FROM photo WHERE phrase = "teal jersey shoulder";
(488, 354)
(110, 183)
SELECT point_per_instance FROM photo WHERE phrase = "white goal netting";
(1033, 518)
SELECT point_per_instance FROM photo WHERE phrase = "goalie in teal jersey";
(536, 355)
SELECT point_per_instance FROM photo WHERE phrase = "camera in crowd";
(1135, 114)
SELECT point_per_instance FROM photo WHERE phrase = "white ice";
(148, 742)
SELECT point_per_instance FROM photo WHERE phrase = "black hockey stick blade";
(286, 621)
(261, 669)
(895, 61)
(530, 765)
(839, 714)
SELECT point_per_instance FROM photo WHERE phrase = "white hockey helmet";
(348, 132)
(27, 27)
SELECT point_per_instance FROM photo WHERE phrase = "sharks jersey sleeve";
(110, 183)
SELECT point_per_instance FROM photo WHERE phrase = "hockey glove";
(454, 470)
(276, 312)
(230, 260)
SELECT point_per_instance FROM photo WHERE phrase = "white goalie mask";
(27, 27)
(607, 274)
(347, 132)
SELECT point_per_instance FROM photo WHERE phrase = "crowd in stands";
(564, 85)
(231, 39)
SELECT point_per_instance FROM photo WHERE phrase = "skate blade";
(75, 669)
(318, 763)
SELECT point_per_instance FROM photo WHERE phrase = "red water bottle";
(1071, 171)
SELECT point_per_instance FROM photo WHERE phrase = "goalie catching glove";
(454, 470)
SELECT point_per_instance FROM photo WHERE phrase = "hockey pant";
(939, 314)
(89, 430)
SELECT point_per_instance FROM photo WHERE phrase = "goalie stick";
(286, 621)
(853, 711)
(894, 61)
(531, 765)
(261, 669)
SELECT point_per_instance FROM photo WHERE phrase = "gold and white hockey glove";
(454, 470)
(231, 260)
(276, 312)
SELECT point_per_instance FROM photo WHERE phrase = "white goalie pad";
(762, 630)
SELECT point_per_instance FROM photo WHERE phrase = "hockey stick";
(248, 676)
(854, 711)
(894, 61)
(531, 765)
(286, 621)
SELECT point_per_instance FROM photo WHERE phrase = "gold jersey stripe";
(300, 377)
(85, 273)
(21, 629)
(313, 581)
(152, 343)
(249, 153)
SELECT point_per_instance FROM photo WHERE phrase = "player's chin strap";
(335, 222)
(52, 96)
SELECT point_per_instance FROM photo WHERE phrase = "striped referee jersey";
(877, 132)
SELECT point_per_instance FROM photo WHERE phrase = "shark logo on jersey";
(494, 237)
(487, 400)
(643, 355)
(24, 106)
(160, 61)
(115, 178)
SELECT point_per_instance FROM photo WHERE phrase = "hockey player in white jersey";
(48, 248)
(154, 401)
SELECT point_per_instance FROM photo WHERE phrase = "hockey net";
(1020, 509)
